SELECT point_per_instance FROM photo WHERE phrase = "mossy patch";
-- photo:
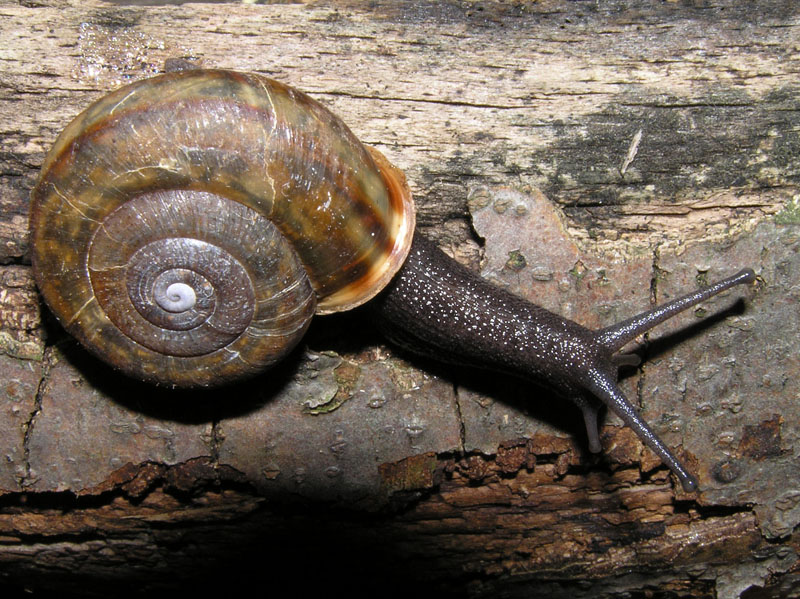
(790, 215)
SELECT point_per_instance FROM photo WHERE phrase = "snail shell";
(185, 228)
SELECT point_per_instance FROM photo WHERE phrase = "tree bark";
(595, 158)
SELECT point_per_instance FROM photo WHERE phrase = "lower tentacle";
(592, 428)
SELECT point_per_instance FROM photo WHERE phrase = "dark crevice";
(47, 362)
(711, 511)
(432, 100)
(462, 427)
(134, 483)
(217, 439)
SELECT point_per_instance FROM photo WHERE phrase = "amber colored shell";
(154, 162)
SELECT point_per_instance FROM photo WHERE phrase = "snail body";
(186, 228)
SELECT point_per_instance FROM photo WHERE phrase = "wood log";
(594, 157)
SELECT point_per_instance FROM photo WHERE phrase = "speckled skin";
(438, 308)
(441, 308)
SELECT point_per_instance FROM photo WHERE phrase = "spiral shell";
(185, 228)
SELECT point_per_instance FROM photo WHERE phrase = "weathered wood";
(657, 144)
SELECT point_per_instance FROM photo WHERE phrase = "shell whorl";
(186, 227)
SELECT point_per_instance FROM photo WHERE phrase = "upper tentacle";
(616, 336)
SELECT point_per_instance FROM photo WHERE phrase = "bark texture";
(595, 157)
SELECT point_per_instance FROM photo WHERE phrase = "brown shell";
(150, 161)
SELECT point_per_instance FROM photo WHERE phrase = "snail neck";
(438, 308)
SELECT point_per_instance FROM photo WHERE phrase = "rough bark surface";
(595, 157)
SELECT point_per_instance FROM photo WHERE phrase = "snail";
(185, 229)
